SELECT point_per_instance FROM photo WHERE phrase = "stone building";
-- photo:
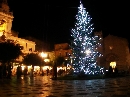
(116, 50)
(6, 18)
(63, 50)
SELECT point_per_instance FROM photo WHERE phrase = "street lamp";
(43, 55)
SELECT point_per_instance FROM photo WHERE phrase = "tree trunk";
(1, 72)
(31, 72)
(4, 68)
(9, 67)
(55, 71)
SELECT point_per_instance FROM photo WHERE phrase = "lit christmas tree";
(84, 45)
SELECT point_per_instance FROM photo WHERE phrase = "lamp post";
(54, 75)
(43, 55)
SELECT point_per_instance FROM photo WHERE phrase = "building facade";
(116, 50)
(6, 18)
(62, 50)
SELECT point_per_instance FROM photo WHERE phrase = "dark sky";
(52, 20)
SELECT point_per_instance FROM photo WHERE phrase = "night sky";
(52, 20)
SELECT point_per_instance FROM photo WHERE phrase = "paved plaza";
(43, 86)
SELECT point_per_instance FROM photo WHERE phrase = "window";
(30, 49)
(26, 45)
(66, 54)
(59, 54)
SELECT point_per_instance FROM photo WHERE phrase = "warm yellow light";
(46, 60)
(36, 68)
(23, 67)
(29, 67)
(3, 25)
(113, 64)
(1, 33)
(45, 67)
(44, 55)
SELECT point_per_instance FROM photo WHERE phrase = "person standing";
(47, 71)
(19, 71)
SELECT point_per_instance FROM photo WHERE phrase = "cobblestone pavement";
(43, 86)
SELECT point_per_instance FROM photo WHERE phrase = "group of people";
(42, 72)
(19, 71)
(23, 72)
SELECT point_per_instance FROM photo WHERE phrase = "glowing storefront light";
(46, 60)
(23, 67)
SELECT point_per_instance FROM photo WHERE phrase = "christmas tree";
(84, 45)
